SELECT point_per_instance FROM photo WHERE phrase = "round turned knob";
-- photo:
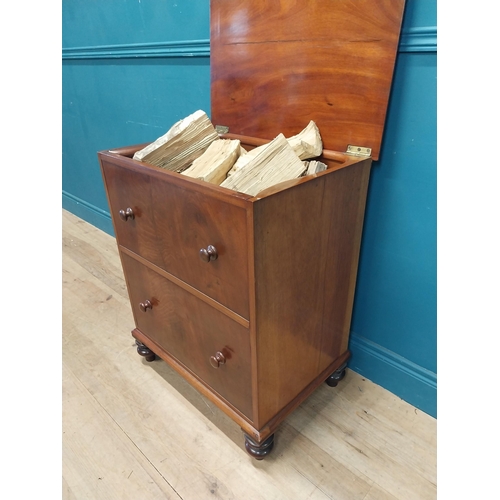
(208, 254)
(126, 214)
(217, 360)
(144, 306)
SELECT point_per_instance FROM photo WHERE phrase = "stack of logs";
(193, 147)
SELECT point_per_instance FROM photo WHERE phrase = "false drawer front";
(197, 237)
(210, 344)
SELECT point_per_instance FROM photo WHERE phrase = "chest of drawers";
(250, 298)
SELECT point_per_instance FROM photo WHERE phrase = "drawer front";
(171, 225)
(127, 191)
(192, 332)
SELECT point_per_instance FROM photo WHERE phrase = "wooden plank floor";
(135, 430)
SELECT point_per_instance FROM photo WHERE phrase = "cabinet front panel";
(192, 235)
(192, 332)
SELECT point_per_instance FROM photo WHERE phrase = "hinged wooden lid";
(277, 64)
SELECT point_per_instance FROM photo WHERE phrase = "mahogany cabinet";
(250, 298)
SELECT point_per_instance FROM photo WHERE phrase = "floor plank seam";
(314, 484)
(126, 434)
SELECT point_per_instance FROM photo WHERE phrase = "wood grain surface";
(277, 65)
(192, 331)
(305, 273)
(171, 226)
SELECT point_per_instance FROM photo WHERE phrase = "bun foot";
(144, 351)
(336, 376)
(259, 451)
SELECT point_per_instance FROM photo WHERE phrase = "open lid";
(276, 65)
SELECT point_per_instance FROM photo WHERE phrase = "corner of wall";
(88, 212)
(405, 379)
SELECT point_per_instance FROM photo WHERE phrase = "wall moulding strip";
(421, 39)
(402, 377)
(88, 212)
(179, 48)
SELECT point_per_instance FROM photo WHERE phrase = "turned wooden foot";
(145, 351)
(336, 376)
(259, 450)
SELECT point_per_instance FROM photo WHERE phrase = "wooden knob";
(217, 360)
(144, 306)
(208, 254)
(126, 214)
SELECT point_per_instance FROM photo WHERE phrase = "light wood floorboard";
(137, 430)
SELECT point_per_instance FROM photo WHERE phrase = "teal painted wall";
(393, 331)
(130, 69)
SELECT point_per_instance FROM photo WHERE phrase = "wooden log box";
(250, 297)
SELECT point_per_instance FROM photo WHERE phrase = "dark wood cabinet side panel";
(306, 242)
(350, 257)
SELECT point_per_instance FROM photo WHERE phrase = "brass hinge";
(358, 151)
(221, 129)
